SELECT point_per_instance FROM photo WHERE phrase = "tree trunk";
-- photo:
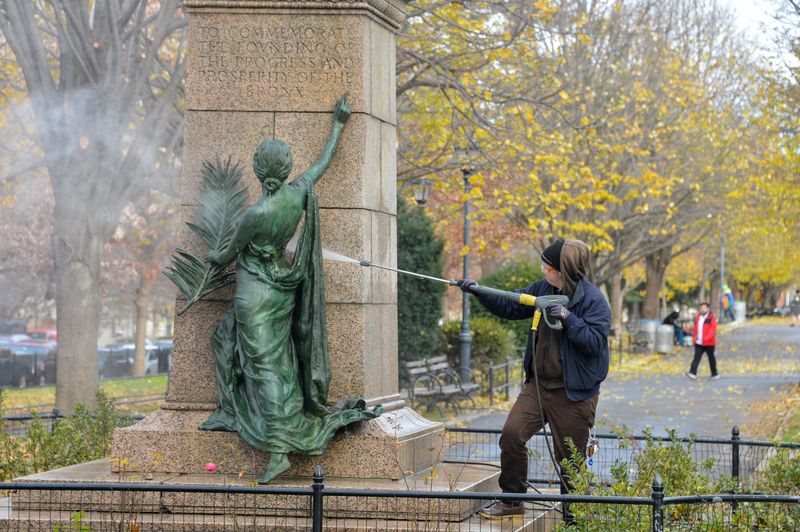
(701, 292)
(142, 303)
(771, 296)
(105, 107)
(655, 268)
(616, 296)
(751, 295)
(77, 253)
(155, 332)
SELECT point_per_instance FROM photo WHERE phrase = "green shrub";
(419, 302)
(517, 275)
(782, 477)
(672, 460)
(490, 342)
(782, 474)
(12, 455)
(83, 436)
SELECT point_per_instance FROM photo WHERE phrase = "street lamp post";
(422, 189)
(465, 338)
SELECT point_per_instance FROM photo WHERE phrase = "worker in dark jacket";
(569, 365)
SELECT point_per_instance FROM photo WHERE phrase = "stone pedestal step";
(534, 520)
(108, 503)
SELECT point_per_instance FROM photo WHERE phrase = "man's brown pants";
(566, 419)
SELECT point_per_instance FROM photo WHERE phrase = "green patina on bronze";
(271, 348)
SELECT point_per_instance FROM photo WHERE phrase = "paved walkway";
(755, 362)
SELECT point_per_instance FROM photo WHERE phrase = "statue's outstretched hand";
(342, 110)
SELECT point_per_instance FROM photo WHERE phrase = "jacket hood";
(574, 263)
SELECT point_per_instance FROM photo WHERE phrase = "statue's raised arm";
(340, 115)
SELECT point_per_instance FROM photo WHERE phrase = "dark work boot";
(500, 509)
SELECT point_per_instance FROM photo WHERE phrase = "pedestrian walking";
(794, 308)
(727, 304)
(704, 339)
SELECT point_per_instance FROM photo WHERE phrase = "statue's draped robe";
(271, 349)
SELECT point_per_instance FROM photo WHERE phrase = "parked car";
(28, 363)
(43, 335)
(116, 360)
(8, 339)
(13, 371)
(160, 359)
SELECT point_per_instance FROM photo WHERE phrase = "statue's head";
(272, 162)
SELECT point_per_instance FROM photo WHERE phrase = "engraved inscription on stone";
(278, 61)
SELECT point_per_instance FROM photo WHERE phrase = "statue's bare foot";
(278, 463)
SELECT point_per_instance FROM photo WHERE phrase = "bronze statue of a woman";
(271, 349)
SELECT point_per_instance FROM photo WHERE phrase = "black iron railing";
(503, 379)
(721, 457)
(214, 506)
(17, 424)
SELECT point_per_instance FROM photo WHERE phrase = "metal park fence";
(17, 424)
(503, 379)
(140, 503)
(719, 457)
(317, 507)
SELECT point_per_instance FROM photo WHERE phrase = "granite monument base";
(393, 445)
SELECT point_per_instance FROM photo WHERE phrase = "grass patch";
(792, 432)
(770, 320)
(778, 417)
(44, 397)
(791, 428)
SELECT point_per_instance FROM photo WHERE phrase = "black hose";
(541, 413)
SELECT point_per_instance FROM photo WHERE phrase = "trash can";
(649, 328)
(665, 334)
(739, 311)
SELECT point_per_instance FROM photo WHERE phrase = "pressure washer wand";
(368, 264)
(540, 302)
(453, 282)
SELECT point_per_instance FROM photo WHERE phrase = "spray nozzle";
(365, 263)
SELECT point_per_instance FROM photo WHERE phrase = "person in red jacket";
(704, 338)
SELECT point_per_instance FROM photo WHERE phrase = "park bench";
(432, 382)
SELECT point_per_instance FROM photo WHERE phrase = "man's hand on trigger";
(465, 284)
(557, 311)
